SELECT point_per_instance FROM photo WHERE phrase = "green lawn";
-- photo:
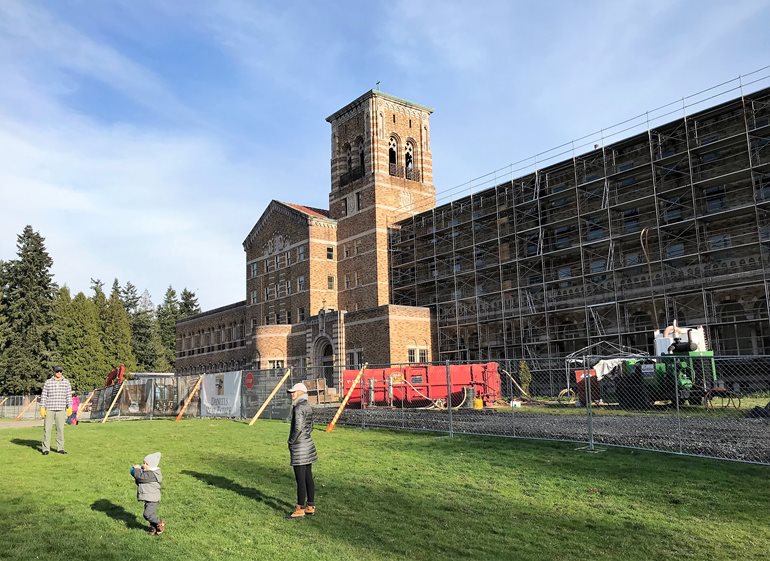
(381, 495)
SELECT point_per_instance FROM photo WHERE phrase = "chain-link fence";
(689, 403)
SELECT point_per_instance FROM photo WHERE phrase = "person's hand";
(69, 410)
(42, 412)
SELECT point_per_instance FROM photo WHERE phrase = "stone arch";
(323, 358)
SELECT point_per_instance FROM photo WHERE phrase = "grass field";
(381, 495)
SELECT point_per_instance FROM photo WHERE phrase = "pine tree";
(116, 332)
(188, 305)
(130, 298)
(3, 318)
(147, 346)
(79, 349)
(27, 299)
(168, 314)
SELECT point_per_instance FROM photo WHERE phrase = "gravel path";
(734, 439)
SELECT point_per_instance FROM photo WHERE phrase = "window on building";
(269, 265)
(301, 314)
(361, 155)
(301, 253)
(347, 280)
(632, 259)
(564, 273)
(358, 201)
(330, 282)
(287, 258)
(277, 259)
(345, 206)
(410, 355)
(598, 265)
(267, 319)
(562, 237)
(253, 299)
(346, 250)
(273, 364)
(357, 245)
(355, 278)
(393, 155)
(288, 316)
(719, 241)
(253, 325)
(300, 283)
(423, 355)
(409, 160)
(675, 250)
(631, 220)
(330, 252)
(253, 269)
(715, 198)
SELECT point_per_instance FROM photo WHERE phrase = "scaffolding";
(607, 245)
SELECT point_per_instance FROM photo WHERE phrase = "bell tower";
(381, 172)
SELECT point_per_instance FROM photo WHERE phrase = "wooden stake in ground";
(34, 400)
(270, 397)
(330, 428)
(83, 405)
(114, 401)
(190, 397)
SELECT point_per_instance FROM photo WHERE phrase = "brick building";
(317, 281)
(672, 223)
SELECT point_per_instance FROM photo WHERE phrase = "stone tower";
(381, 172)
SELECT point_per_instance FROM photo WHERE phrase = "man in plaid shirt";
(55, 406)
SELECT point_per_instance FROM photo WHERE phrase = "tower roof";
(376, 93)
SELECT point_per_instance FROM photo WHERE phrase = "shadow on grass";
(117, 512)
(248, 492)
(34, 444)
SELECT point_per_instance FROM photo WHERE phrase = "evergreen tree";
(167, 315)
(147, 346)
(3, 318)
(130, 298)
(28, 292)
(99, 298)
(79, 349)
(116, 333)
(188, 305)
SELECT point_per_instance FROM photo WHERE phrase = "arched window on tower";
(392, 156)
(409, 161)
(349, 158)
(361, 156)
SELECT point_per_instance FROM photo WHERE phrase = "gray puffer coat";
(301, 447)
(147, 484)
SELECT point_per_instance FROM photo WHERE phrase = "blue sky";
(144, 139)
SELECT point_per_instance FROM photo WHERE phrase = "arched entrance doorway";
(324, 357)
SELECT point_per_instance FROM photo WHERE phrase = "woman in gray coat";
(302, 451)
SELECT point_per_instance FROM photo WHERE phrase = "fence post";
(449, 398)
(152, 398)
(678, 411)
(363, 410)
(587, 386)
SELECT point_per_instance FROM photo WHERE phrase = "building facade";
(671, 224)
(318, 281)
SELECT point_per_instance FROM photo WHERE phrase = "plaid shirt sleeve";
(57, 394)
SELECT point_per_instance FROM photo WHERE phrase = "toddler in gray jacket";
(147, 478)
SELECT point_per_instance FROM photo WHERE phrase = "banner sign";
(221, 395)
